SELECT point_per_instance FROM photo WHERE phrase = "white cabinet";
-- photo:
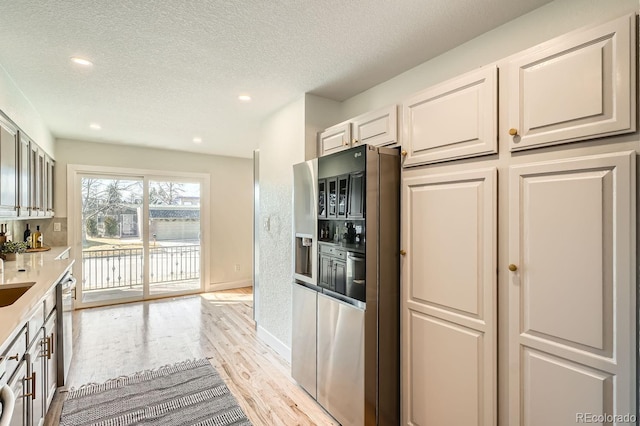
(50, 360)
(36, 380)
(449, 296)
(572, 325)
(18, 385)
(455, 119)
(30, 360)
(34, 186)
(334, 139)
(8, 169)
(24, 176)
(378, 128)
(566, 267)
(573, 88)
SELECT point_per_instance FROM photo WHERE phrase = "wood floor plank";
(120, 340)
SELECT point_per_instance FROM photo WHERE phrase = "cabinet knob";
(15, 357)
(513, 131)
(345, 143)
(404, 153)
(354, 141)
(513, 267)
(403, 253)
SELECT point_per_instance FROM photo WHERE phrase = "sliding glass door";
(174, 231)
(140, 237)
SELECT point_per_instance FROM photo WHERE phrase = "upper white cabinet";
(8, 169)
(573, 88)
(378, 128)
(455, 119)
(334, 139)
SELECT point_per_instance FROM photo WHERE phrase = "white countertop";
(42, 268)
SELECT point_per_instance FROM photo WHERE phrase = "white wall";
(15, 105)
(231, 196)
(319, 113)
(281, 146)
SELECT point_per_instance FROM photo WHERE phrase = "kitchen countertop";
(358, 248)
(42, 268)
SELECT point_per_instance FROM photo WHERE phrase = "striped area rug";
(187, 393)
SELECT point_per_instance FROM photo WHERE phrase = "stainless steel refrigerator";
(345, 340)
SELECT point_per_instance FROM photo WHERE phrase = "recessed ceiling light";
(81, 61)
(197, 140)
(244, 98)
(95, 126)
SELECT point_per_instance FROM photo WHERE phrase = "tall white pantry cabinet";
(519, 238)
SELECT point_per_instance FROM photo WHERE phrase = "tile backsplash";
(53, 239)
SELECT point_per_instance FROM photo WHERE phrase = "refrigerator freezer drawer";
(341, 360)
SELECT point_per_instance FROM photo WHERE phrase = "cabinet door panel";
(339, 276)
(447, 378)
(8, 169)
(18, 385)
(36, 387)
(455, 119)
(322, 198)
(335, 139)
(574, 88)
(24, 198)
(325, 278)
(449, 297)
(356, 196)
(343, 189)
(376, 128)
(50, 358)
(579, 310)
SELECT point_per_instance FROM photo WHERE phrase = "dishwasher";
(65, 295)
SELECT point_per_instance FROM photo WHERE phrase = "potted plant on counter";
(9, 249)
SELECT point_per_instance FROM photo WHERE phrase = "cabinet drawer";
(15, 353)
(333, 251)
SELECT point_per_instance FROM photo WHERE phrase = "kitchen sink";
(9, 293)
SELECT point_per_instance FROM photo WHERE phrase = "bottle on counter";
(36, 238)
(27, 236)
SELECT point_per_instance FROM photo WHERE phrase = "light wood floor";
(124, 339)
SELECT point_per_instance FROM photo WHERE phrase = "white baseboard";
(283, 350)
(230, 285)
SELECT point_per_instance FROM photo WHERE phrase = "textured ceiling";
(166, 71)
